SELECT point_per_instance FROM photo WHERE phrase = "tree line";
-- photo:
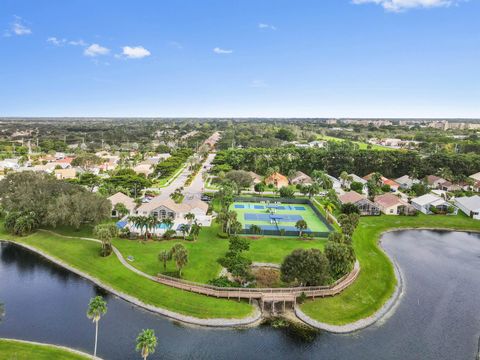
(340, 157)
(32, 200)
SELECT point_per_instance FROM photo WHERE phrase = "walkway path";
(273, 294)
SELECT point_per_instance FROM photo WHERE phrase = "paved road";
(197, 186)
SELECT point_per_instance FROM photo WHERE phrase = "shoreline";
(254, 319)
(389, 306)
(214, 322)
(53, 346)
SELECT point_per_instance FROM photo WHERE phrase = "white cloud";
(135, 52)
(17, 28)
(56, 41)
(95, 50)
(401, 5)
(77, 43)
(218, 50)
(266, 26)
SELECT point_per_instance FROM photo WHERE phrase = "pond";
(437, 317)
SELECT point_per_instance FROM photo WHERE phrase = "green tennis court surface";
(277, 216)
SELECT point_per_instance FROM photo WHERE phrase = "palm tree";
(195, 230)
(313, 190)
(345, 178)
(189, 217)
(231, 218)
(165, 256)
(236, 227)
(184, 229)
(301, 225)
(168, 223)
(180, 255)
(96, 309)
(146, 342)
(152, 223)
(255, 229)
(222, 219)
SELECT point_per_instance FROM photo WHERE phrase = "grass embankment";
(376, 282)
(18, 350)
(204, 253)
(84, 256)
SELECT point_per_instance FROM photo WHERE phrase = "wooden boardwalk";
(271, 295)
(263, 295)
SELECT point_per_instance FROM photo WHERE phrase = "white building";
(406, 182)
(469, 205)
(425, 202)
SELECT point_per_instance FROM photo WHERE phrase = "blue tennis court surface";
(276, 228)
(268, 217)
(249, 206)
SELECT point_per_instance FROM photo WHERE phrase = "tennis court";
(275, 217)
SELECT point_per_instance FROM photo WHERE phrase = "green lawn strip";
(204, 253)
(376, 282)
(84, 255)
(17, 350)
(163, 182)
(274, 249)
(361, 145)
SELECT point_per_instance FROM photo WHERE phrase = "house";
(358, 179)
(476, 176)
(277, 180)
(336, 184)
(163, 208)
(394, 186)
(317, 144)
(449, 186)
(434, 181)
(365, 206)
(11, 164)
(406, 182)
(62, 174)
(255, 177)
(121, 198)
(144, 168)
(425, 202)
(469, 205)
(391, 204)
(300, 178)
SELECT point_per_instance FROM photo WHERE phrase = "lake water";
(438, 316)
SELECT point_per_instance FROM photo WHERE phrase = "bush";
(223, 281)
(169, 234)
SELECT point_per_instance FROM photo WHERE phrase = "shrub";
(169, 234)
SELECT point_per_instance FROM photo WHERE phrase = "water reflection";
(437, 318)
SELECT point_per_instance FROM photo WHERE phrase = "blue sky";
(279, 58)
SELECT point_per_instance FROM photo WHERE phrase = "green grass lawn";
(361, 145)
(204, 253)
(17, 350)
(376, 282)
(313, 221)
(84, 255)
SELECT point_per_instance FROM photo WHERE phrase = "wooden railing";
(273, 294)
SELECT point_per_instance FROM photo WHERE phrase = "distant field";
(361, 145)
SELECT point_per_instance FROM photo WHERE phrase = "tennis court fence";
(285, 231)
